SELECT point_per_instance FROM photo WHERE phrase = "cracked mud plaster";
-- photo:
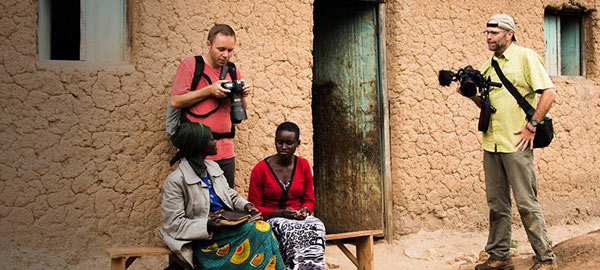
(84, 151)
(437, 172)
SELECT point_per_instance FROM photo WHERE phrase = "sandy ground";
(448, 250)
(425, 250)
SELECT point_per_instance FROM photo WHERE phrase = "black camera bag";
(545, 131)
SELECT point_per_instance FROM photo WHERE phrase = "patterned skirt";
(302, 242)
(249, 246)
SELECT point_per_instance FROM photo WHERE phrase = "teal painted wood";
(346, 118)
(551, 31)
(103, 31)
(570, 43)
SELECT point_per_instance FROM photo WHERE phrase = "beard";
(498, 46)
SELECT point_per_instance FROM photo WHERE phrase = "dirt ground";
(452, 250)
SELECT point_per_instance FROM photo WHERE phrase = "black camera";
(470, 80)
(238, 113)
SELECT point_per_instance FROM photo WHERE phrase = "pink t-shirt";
(219, 121)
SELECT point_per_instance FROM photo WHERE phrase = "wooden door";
(347, 117)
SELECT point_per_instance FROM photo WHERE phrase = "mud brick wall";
(84, 151)
(436, 152)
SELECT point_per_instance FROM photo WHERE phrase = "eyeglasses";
(493, 33)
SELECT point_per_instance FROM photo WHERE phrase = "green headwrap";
(191, 139)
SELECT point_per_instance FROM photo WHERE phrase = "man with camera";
(508, 145)
(211, 102)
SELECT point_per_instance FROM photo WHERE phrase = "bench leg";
(118, 264)
(346, 252)
(364, 252)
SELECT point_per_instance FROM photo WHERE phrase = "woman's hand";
(250, 208)
(213, 223)
(286, 213)
(303, 212)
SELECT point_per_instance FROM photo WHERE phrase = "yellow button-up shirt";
(524, 68)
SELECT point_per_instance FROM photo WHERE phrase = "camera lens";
(468, 88)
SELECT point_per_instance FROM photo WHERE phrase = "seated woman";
(281, 187)
(193, 191)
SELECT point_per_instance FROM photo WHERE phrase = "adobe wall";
(436, 151)
(84, 151)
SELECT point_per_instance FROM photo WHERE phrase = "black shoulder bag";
(544, 132)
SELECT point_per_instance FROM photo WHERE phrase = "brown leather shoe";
(496, 264)
(552, 265)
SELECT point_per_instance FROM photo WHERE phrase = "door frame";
(388, 224)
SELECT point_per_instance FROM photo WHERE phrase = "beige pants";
(503, 171)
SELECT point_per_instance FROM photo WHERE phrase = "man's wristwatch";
(534, 123)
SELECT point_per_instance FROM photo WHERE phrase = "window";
(82, 30)
(564, 43)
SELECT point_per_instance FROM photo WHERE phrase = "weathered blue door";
(346, 117)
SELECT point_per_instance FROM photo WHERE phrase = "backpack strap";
(199, 73)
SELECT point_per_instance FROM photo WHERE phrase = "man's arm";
(476, 99)
(544, 103)
(528, 131)
(181, 94)
(193, 97)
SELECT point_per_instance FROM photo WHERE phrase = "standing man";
(208, 103)
(508, 146)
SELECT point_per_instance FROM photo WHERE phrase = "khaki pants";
(503, 171)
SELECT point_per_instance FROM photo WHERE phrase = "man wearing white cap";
(508, 146)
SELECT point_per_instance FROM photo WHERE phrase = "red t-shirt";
(219, 121)
(265, 190)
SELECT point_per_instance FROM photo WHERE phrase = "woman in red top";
(281, 188)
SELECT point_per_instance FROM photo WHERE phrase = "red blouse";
(267, 193)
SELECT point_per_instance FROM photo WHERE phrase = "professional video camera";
(470, 79)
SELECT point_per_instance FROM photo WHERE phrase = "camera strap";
(527, 108)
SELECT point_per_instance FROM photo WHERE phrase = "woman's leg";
(302, 242)
(247, 246)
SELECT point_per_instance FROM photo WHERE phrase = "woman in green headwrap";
(194, 190)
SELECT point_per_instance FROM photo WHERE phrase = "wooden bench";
(364, 247)
(122, 257)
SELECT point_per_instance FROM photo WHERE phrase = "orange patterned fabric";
(244, 247)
